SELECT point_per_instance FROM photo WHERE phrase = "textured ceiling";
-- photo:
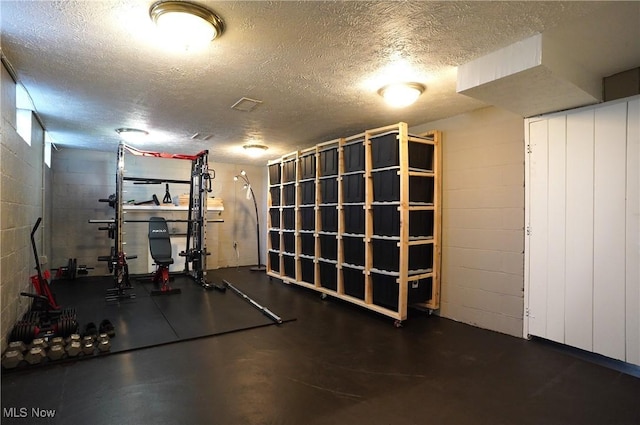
(93, 66)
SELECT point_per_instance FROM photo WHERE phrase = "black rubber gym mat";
(156, 320)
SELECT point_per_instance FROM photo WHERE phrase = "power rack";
(195, 253)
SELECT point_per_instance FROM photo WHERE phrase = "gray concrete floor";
(336, 364)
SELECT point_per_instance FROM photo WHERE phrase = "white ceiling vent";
(200, 136)
(246, 104)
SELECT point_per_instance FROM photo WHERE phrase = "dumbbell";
(56, 349)
(35, 355)
(13, 355)
(88, 346)
(104, 343)
(74, 345)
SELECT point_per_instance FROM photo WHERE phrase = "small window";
(24, 106)
(47, 149)
(23, 122)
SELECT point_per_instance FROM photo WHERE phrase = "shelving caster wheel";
(397, 323)
(323, 296)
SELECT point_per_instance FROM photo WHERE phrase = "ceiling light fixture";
(132, 134)
(255, 150)
(187, 24)
(399, 95)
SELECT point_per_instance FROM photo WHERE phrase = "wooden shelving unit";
(358, 218)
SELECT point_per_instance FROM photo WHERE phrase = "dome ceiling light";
(186, 24)
(255, 150)
(399, 95)
(132, 134)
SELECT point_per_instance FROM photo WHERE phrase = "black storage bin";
(329, 218)
(307, 218)
(289, 171)
(275, 196)
(308, 270)
(308, 244)
(328, 275)
(353, 219)
(289, 242)
(307, 166)
(289, 218)
(353, 282)
(289, 266)
(386, 290)
(328, 247)
(386, 255)
(289, 194)
(274, 213)
(329, 162)
(274, 173)
(386, 187)
(353, 187)
(329, 190)
(308, 192)
(385, 152)
(353, 249)
(386, 221)
(274, 260)
(353, 156)
(275, 240)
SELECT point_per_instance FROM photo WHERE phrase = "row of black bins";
(384, 153)
(386, 219)
(386, 188)
(386, 252)
(385, 286)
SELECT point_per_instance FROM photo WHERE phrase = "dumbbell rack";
(200, 185)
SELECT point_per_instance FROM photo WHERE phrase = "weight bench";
(160, 248)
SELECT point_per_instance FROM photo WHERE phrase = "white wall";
(81, 177)
(583, 211)
(21, 195)
(483, 218)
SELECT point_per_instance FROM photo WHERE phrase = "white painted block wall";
(21, 203)
(483, 218)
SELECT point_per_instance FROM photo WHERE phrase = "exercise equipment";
(14, 354)
(167, 195)
(154, 200)
(56, 352)
(195, 252)
(160, 247)
(72, 270)
(104, 343)
(107, 328)
(11, 359)
(45, 299)
(45, 318)
(35, 355)
(271, 315)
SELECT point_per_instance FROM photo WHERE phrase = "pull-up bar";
(139, 152)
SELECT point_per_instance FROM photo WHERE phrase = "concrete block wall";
(21, 202)
(483, 219)
(81, 177)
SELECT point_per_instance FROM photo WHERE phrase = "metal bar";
(109, 221)
(144, 180)
(271, 315)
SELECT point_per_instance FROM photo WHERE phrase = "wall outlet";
(43, 259)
